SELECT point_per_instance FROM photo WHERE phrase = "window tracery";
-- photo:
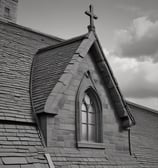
(89, 129)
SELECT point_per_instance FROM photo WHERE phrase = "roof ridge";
(141, 106)
(65, 42)
(5, 21)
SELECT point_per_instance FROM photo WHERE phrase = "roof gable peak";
(91, 44)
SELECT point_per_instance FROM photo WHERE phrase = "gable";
(91, 43)
(61, 130)
(110, 114)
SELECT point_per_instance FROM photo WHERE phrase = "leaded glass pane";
(91, 109)
(91, 118)
(88, 118)
(84, 132)
(84, 117)
(83, 108)
(91, 133)
(87, 99)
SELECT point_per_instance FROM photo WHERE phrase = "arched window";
(88, 118)
(89, 115)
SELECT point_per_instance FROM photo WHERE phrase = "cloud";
(134, 61)
(136, 79)
(133, 10)
(139, 41)
(140, 10)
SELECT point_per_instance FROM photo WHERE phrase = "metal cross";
(92, 16)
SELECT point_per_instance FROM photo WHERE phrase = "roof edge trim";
(105, 62)
(142, 107)
(10, 23)
(65, 42)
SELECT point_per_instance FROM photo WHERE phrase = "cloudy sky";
(127, 29)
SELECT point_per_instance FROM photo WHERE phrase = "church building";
(61, 106)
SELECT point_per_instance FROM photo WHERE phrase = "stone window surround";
(87, 83)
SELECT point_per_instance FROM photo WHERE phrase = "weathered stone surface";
(62, 144)
(12, 6)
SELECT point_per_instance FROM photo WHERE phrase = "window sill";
(90, 145)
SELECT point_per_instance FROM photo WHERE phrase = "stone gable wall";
(62, 131)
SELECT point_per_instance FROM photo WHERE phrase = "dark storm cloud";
(139, 41)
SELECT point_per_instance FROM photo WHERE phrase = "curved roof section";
(48, 65)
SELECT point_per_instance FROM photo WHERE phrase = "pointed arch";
(89, 124)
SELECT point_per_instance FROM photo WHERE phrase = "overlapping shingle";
(48, 66)
(17, 47)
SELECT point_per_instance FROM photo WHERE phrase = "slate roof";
(67, 158)
(20, 141)
(144, 108)
(17, 48)
(20, 145)
(48, 65)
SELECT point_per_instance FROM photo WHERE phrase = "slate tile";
(37, 165)
(27, 166)
(9, 166)
(14, 160)
(12, 138)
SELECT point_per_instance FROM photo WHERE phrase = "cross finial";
(92, 16)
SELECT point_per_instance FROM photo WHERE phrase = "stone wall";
(11, 5)
(62, 130)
